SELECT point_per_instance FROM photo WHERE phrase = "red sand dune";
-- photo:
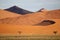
(28, 29)
(53, 14)
(6, 14)
(31, 19)
(7, 25)
(28, 19)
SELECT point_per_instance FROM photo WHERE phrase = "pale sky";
(31, 5)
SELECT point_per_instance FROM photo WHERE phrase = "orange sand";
(28, 19)
(28, 29)
(6, 14)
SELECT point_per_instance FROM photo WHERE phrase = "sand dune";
(32, 19)
(16, 9)
(42, 10)
(6, 14)
(28, 19)
(53, 14)
(14, 23)
(28, 29)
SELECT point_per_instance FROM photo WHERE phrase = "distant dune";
(18, 10)
(6, 14)
(42, 9)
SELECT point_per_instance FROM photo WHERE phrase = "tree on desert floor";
(55, 32)
(19, 32)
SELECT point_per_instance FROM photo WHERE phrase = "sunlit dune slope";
(28, 29)
(53, 14)
(28, 19)
(6, 14)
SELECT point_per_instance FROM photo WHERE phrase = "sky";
(31, 5)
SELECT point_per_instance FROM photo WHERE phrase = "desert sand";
(28, 29)
(28, 19)
(16, 24)
(53, 14)
(6, 14)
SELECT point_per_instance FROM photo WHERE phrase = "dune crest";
(28, 19)
(6, 14)
(18, 10)
(53, 14)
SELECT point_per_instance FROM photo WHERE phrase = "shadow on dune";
(46, 23)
